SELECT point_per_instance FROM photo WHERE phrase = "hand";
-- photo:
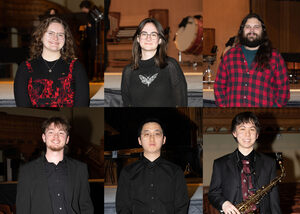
(229, 208)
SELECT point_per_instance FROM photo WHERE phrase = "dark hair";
(86, 4)
(245, 117)
(264, 52)
(36, 47)
(161, 53)
(57, 121)
(150, 120)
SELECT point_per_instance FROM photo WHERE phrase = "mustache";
(251, 33)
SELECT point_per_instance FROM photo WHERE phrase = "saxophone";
(244, 207)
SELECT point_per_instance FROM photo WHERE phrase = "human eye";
(247, 27)
(146, 134)
(256, 27)
(158, 134)
(153, 35)
(144, 34)
(61, 35)
(50, 33)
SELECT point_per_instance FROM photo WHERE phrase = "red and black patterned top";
(66, 86)
(238, 86)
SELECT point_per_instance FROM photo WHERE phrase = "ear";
(139, 139)
(164, 140)
(67, 141)
(159, 41)
(234, 134)
(44, 138)
(138, 39)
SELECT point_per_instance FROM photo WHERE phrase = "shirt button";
(60, 208)
(244, 180)
(245, 194)
(151, 185)
(245, 97)
(247, 72)
(152, 211)
(152, 197)
(58, 194)
(246, 84)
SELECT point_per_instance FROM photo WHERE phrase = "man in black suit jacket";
(230, 179)
(54, 183)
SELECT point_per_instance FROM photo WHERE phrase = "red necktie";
(247, 186)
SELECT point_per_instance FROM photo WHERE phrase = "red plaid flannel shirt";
(238, 86)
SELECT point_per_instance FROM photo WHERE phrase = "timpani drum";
(189, 38)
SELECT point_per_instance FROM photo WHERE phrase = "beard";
(252, 43)
(55, 148)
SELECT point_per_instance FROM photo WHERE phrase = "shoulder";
(232, 51)
(171, 165)
(276, 54)
(75, 163)
(223, 159)
(171, 62)
(267, 159)
(127, 68)
(133, 167)
(31, 164)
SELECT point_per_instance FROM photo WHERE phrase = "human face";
(152, 138)
(252, 33)
(55, 137)
(246, 135)
(54, 38)
(149, 42)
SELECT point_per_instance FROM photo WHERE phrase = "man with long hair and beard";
(252, 74)
(54, 183)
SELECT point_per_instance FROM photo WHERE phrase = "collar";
(147, 63)
(63, 161)
(152, 164)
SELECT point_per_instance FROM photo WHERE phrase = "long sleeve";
(181, 198)
(20, 87)
(85, 202)
(23, 193)
(220, 85)
(125, 86)
(282, 83)
(215, 195)
(123, 194)
(179, 85)
(82, 90)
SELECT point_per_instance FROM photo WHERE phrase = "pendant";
(50, 70)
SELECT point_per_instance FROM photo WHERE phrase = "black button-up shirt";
(146, 187)
(57, 179)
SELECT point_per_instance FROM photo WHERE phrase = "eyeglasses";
(52, 35)
(155, 134)
(255, 27)
(153, 35)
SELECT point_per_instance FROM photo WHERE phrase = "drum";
(189, 38)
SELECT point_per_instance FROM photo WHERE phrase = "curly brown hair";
(36, 47)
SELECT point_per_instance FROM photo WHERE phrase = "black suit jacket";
(226, 182)
(33, 195)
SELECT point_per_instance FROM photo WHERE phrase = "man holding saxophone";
(238, 175)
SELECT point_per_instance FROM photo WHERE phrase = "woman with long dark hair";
(52, 77)
(152, 79)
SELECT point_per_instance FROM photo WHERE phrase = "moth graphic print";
(148, 80)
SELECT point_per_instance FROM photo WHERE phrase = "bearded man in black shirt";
(54, 183)
(152, 184)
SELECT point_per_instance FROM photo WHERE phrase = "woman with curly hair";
(152, 79)
(52, 77)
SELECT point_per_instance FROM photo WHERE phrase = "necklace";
(50, 69)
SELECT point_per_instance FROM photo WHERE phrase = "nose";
(247, 133)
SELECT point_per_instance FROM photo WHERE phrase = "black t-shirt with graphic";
(151, 86)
